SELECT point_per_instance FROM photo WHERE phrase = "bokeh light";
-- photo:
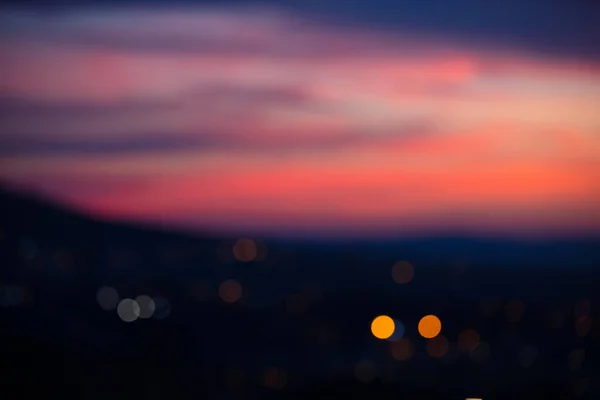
(581, 386)
(468, 340)
(29, 248)
(365, 371)
(430, 326)
(297, 304)
(402, 349)
(452, 355)
(244, 250)
(383, 327)
(108, 298)
(575, 359)
(128, 310)
(146, 306)
(398, 330)
(583, 308)
(234, 378)
(403, 272)
(261, 251)
(490, 307)
(514, 310)
(199, 290)
(556, 319)
(162, 308)
(230, 291)
(437, 347)
(275, 378)
(583, 325)
(527, 356)
(13, 295)
(314, 292)
(481, 353)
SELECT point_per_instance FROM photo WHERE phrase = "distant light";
(261, 251)
(230, 291)
(556, 319)
(314, 292)
(13, 295)
(244, 250)
(63, 259)
(234, 377)
(199, 290)
(275, 378)
(365, 371)
(527, 356)
(481, 353)
(581, 386)
(583, 309)
(473, 398)
(297, 304)
(430, 326)
(451, 355)
(383, 327)
(128, 310)
(468, 340)
(108, 298)
(402, 349)
(514, 310)
(162, 308)
(437, 347)
(490, 307)
(583, 325)
(147, 306)
(29, 248)
(403, 272)
(575, 359)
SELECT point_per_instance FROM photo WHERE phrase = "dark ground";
(303, 323)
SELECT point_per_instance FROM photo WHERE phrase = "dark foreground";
(301, 328)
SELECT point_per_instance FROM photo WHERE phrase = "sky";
(316, 117)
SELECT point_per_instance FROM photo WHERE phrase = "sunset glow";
(269, 123)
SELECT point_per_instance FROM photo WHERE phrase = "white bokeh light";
(107, 298)
(162, 308)
(146, 306)
(128, 310)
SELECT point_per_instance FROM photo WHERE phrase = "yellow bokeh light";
(383, 327)
(430, 326)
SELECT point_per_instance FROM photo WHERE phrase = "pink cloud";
(278, 128)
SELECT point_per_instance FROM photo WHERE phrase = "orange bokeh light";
(383, 327)
(437, 347)
(245, 250)
(230, 291)
(402, 349)
(430, 326)
(468, 340)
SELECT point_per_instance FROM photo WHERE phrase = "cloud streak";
(230, 119)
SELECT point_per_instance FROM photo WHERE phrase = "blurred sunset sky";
(330, 118)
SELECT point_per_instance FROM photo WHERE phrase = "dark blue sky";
(555, 27)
